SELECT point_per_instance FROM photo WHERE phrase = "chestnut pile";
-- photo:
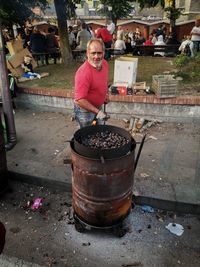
(103, 140)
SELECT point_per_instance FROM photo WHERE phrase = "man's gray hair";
(95, 40)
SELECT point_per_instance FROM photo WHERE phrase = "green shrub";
(188, 68)
(180, 61)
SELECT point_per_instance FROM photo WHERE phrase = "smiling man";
(91, 85)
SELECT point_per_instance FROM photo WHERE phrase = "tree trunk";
(114, 20)
(173, 22)
(60, 6)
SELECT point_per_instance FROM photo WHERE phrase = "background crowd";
(117, 40)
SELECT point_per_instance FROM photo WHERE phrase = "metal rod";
(139, 151)
(6, 98)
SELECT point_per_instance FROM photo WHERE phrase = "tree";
(18, 12)
(169, 7)
(173, 14)
(120, 9)
(61, 12)
(65, 9)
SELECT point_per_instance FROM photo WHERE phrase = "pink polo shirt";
(91, 84)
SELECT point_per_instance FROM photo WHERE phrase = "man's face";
(95, 55)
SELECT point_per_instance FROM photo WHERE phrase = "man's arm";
(83, 103)
(101, 115)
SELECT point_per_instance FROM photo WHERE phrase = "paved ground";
(168, 169)
(47, 236)
(169, 166)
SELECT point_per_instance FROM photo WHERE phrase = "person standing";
(83, 37)
(195, 35)
(91, 86)
(107, 38)
(110, 27)
(72, 39)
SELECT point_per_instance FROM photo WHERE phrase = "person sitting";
(149, 50)
(119, 46)
(154, 38)
(51, 45)
(120, 32)
(149, 41)
(159, 42)
(128, 45)
(28, 68)
(187, 46)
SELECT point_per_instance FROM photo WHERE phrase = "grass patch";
(61, 77)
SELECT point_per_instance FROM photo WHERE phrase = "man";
(195, 33)
(91, 85)
(52, 46)
(72, 39)
(110, 27)
(107, 38)
(83, 37)
(2, 237)
(38, 45)
(186, 47)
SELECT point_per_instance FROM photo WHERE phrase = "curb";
(168, 205)
(39, 181)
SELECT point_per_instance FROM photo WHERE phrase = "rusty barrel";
(102, 190)
(3, 165)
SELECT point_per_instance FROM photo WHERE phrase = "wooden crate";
(164, 86)
(139, 86)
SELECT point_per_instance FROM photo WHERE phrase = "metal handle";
(139, 151)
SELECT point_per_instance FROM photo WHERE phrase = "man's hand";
(102, 115)
(107, 100)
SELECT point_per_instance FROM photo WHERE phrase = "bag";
(187, 50)
(13, 85)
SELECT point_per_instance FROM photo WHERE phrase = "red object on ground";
(122, 90)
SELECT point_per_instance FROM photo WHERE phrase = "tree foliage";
(71, 8)
(151, 3)
(19, 11)
(169, 7)
(120, 9)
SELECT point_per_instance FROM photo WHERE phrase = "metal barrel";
(102, 189)
(3, 165)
